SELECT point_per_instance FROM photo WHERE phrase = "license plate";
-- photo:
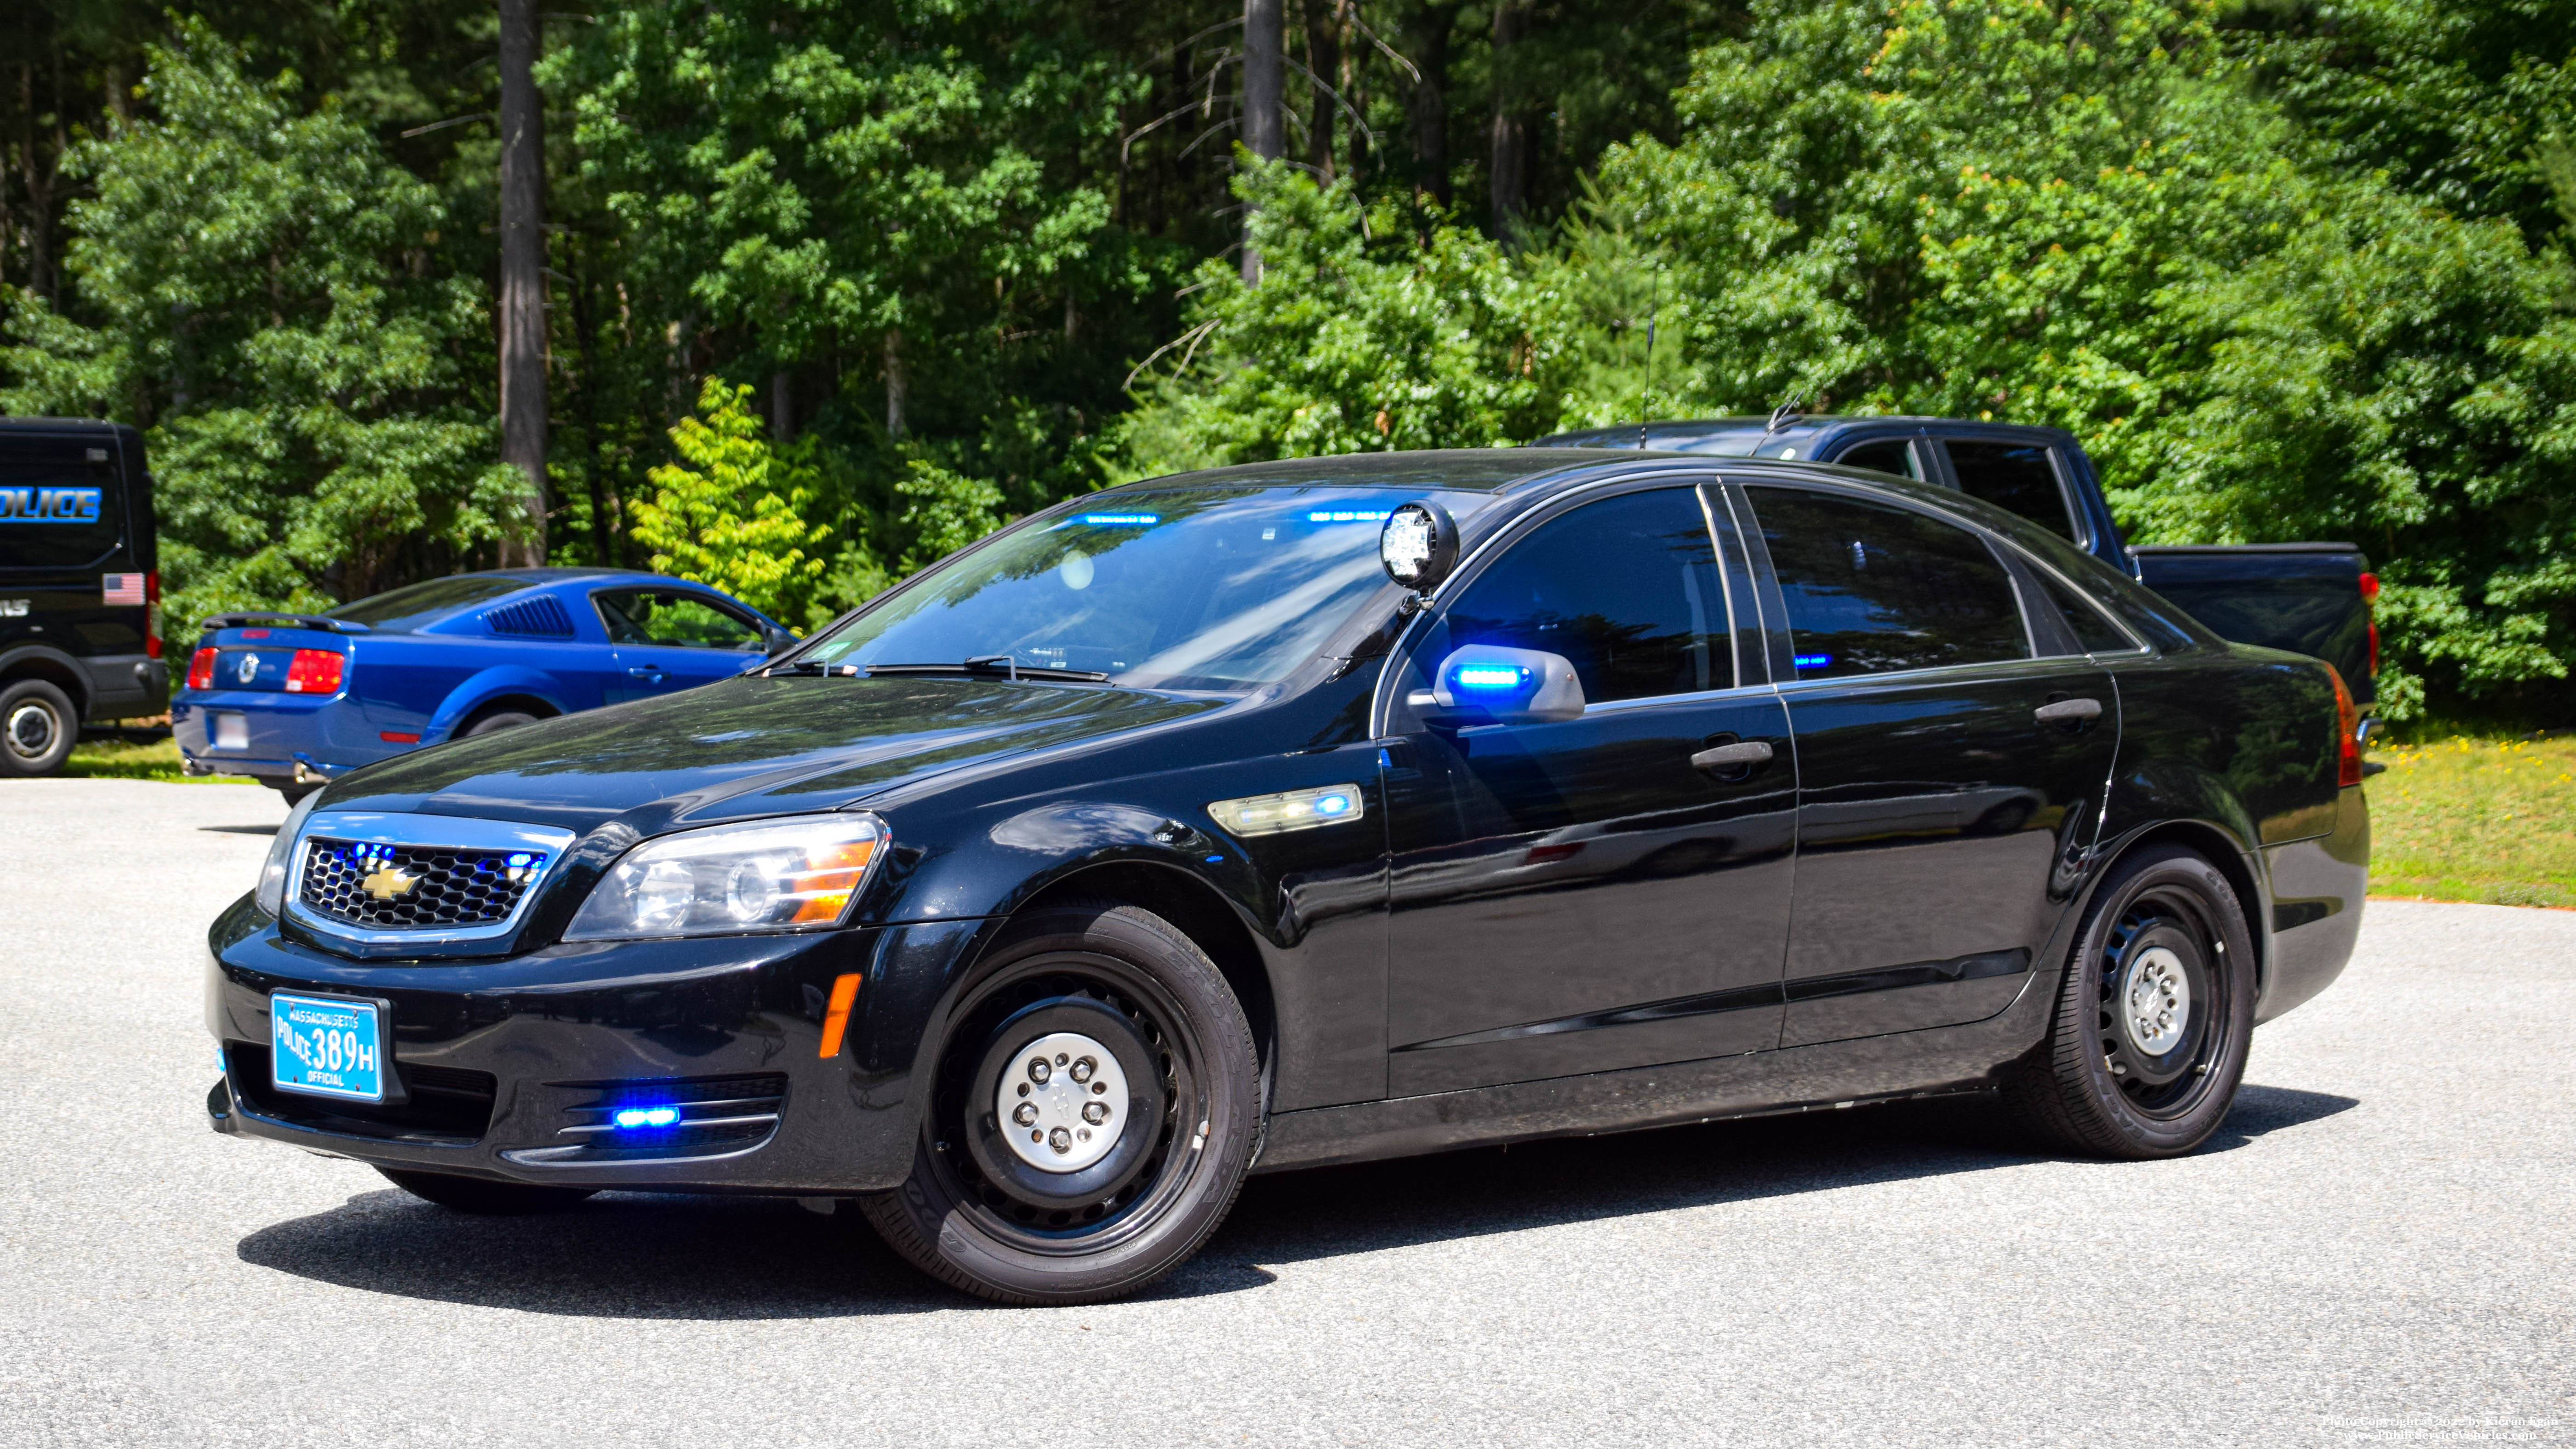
(232, 732)
(327, 1046)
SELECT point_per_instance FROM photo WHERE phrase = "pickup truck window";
(1871, 589)
(1886, 455)
(1626, 589)
(2017, 477)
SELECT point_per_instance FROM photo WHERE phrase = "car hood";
(748, 747)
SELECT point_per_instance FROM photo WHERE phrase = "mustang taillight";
(201, 669)
(2347, 732)
(314, 671)
(2369, 606)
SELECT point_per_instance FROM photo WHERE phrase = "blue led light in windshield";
(1813, 661)
(1350, 515)
(647, 1116)
(1118, 518)
(1489, 676)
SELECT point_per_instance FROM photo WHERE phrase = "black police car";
(80, 588)
(1312, 812)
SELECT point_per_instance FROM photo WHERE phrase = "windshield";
(437, 596)
(1209, 588)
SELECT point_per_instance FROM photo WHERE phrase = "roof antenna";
(1654, 303)
(1781, 417)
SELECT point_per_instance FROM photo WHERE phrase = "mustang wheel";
(2154, 1018)
(1092, 1115)
(477, 1195)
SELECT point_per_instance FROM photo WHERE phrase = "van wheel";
(37, 728)
(2154, 1018)
(476, 1195)
(1092, 1116)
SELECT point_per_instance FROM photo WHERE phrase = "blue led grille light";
(1119, 518)
(647, 1116)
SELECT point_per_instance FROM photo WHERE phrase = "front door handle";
(2070, 711)
(648, 671)
(1738, 756)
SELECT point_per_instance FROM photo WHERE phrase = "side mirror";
(1482, 683)
(779, 640)
(1418, 545)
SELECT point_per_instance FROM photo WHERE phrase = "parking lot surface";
(2379, 1247)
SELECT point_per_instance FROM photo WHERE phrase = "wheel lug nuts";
(1095, 1113)
(1060, 1140)
(1039, 1071)
(1082, 1069)
(1026, 1114)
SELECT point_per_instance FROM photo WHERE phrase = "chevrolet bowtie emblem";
(387, 882)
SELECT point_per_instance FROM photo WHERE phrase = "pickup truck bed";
(2310, 598)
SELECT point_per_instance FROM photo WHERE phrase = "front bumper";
(497, 1059)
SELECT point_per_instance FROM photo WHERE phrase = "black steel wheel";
(1093, 1111)
(37, 728)
(2154, 1018)
(483, 1197)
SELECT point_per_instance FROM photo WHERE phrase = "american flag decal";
(121, 588)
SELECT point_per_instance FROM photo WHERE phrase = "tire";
(500, 719)
(38, 727)
(1053, 1220)
(484, 1198)
(2154, 1018)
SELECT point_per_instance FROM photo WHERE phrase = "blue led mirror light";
(1490, 678)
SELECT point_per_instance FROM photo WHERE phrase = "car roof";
(1470, 470)
(1707, 435)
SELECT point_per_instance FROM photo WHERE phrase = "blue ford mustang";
(299, 699)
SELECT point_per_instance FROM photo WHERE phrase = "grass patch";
(2476, 820)
(114, 759)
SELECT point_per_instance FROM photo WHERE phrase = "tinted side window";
(1887, 455)
(60, 503)
(2095, 633)
(1871, 588)
(1626, 589)
(669, 616)
(2017, 477)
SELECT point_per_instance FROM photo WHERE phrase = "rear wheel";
(2155, 1016)
(499, 719)
(1093, 1114)
(477, 1195)
(293, 791)
(37, 728)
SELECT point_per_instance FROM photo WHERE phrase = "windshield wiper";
(999, 665)
(812, 667)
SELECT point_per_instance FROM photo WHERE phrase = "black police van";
(80, 590)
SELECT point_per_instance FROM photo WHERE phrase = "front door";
(671, 639)
(1951, 765)
(1577, 896)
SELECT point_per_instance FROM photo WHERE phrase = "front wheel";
(37, 728)
(2155, 1016)
(1092, 1116)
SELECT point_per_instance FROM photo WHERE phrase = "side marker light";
(1288, 810)
(836, 1016)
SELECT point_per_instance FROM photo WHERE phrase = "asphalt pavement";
(2379, 1247)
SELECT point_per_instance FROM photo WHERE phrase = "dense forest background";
(833, 286)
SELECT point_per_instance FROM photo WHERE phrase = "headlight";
(768, 875)
(271, 894)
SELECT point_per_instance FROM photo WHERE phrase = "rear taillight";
(2369, 600)
(201, 669)
(2347, 732)
(314, 671)
(152, 614)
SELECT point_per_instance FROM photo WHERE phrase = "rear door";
(1577, 896)
(670, 639)
(1951, 762)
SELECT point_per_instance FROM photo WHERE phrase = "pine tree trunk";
(1265, 126)
(898, 388)
(1509, 178)
(782, 407)
(1324, 58)
(1431, 103)
(523, 262)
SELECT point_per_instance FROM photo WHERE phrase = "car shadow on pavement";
(674, 1256)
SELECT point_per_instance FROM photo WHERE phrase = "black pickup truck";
(80, 594)
(2310, 598)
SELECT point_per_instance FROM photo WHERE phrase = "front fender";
(481, 688)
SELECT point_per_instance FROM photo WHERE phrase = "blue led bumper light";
(646, 1117)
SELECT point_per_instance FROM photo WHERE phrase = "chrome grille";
(413, 887)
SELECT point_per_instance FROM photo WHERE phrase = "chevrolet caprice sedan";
(1315, 812)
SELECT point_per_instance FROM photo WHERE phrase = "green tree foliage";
(254, 271)
(734, 516)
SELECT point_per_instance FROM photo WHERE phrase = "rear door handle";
(2070, 711)
(1741, 755)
